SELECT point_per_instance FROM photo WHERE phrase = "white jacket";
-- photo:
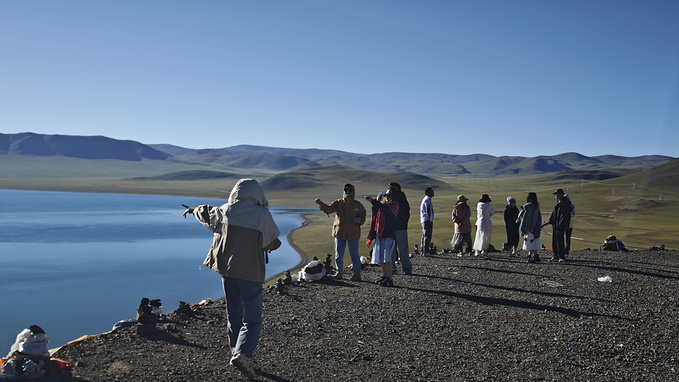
(483, 214)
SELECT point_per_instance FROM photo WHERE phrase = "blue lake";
(76, 263)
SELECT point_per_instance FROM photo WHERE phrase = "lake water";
(76, 263)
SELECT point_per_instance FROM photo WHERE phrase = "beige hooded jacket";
(243, 229)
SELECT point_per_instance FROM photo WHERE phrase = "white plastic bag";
(31, 344)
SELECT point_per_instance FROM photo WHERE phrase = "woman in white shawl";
(243, 233)
(484, 226)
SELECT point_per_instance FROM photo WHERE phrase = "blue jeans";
(244, 312)
(403, 252)
(340, 244)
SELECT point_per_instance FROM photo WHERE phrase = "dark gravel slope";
(453, 319)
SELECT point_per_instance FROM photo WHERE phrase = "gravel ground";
(454, 319)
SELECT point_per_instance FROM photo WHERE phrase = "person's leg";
(244, 314)
(355, 258)
(427, 230)
(423, 249)
(251, 296)
(467, 238)
(478, 242)
(486, 241)
(234, 311)
(555, 244)
(561, 244)
(569, 232)
(340, 244)
(509, 238)
(402, 244)
(384, 269)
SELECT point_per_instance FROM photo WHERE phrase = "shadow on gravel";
(66, 377)
(343, 283)
(644, 273)
(500, 270)
(160, 335)
(583, 263)
(662, 267)
(517, 304)
(262, 374)
(548, 294)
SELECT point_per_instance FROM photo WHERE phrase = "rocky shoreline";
(454, 319)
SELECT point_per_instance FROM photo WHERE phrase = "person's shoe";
(476, 253)
(242, 363)
(337, 276)
(562, 260)
(355, 278)
(378, 282)
(427, 254)
(386, 283)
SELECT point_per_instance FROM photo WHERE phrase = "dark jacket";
(384, 219)
(561, 215)
(511, 224)
(403, 212)
(531, 220)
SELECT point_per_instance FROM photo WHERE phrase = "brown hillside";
(665, 176)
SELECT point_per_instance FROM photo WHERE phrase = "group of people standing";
(388, 231)
(391, 213)
(525, 221)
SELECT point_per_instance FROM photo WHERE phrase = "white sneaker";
(242, 363)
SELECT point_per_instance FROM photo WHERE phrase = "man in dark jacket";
(560, 221)
(402, 230)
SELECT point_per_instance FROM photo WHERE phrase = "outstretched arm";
(189, 210)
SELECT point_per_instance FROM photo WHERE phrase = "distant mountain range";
(84, 147)
(240, 158)
(474, 165)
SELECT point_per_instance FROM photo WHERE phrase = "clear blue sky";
(504, 77)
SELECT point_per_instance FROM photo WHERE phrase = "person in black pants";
(560, 221)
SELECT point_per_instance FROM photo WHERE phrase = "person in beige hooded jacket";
(243, 233)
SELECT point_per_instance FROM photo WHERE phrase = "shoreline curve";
(303, 258)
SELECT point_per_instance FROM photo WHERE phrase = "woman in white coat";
(484, 226)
